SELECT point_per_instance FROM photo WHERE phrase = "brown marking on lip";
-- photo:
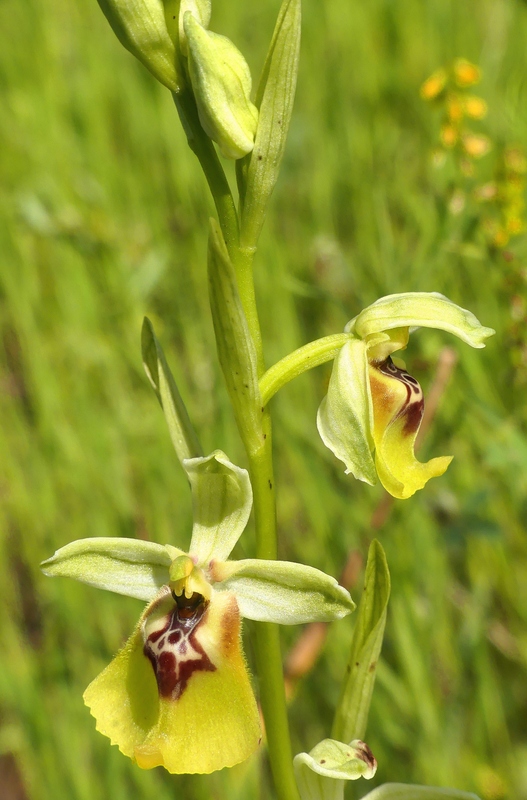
(413, 407)
(178, 654)
(363, 752)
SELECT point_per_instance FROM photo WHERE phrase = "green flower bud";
(141, 27)
(199, 9)
(221, 81)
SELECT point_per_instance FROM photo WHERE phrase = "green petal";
(213, 722)
(408, 791)
(222, 500)
(320, 774)
(345, 416)
(422, 310)
(125, 566)
(282, 591)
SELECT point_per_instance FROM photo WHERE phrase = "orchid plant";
(179, 694)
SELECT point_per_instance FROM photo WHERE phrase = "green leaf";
(126, 566)
(182, 433)
(275, 95)
(406, 791)
(351, 717)
(320, 774)
(222, 500)
(283, 592)
(345, 416)
(236, 351)
(141, 27)
(422, 310)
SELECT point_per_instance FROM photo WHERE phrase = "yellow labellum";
(397, 412)
(194, 711)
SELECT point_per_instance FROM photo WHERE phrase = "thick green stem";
(299, 361)
(267, 640)
(203, 148)
(267, 644)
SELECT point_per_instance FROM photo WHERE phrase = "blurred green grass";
(103, 218)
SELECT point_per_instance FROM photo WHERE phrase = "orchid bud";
(141, 27)
(201, 10)
(221, 81)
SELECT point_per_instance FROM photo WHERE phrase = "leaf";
(236, 351)
(126, 566)
(352, 712)
(406, 791)
(182, 433)
(283, 591)
(258, 172)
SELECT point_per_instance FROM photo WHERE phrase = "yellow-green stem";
(267, 641)
(297, 362)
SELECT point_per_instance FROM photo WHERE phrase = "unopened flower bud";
(140, 26)
(199, 9)
(221, 81)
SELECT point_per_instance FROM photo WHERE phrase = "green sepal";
(236, 350)
(140, 26)
(320, 774)
(283, 591)
(407, 791)
(420, 310)
(345, 415)
(222, 500)
(351, 717)
(126, 566)
(258, 172)
(182, 433)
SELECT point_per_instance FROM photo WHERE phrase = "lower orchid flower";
(178, 694)
(373, 409)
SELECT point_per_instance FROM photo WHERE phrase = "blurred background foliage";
(103, 216)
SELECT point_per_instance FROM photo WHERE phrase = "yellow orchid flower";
(178, 694)
(373, 409)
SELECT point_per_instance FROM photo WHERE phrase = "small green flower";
(178, 694)
(321, 774)
(373, 409)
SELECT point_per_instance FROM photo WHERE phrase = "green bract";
(141, 27)
(321, 773)
(221, 82)
(192, 709)
(373, 409)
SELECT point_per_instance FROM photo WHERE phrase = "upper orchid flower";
(373, 409)
(178, 694)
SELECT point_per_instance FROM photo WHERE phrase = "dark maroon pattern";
(413, 407)
(175, 653)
